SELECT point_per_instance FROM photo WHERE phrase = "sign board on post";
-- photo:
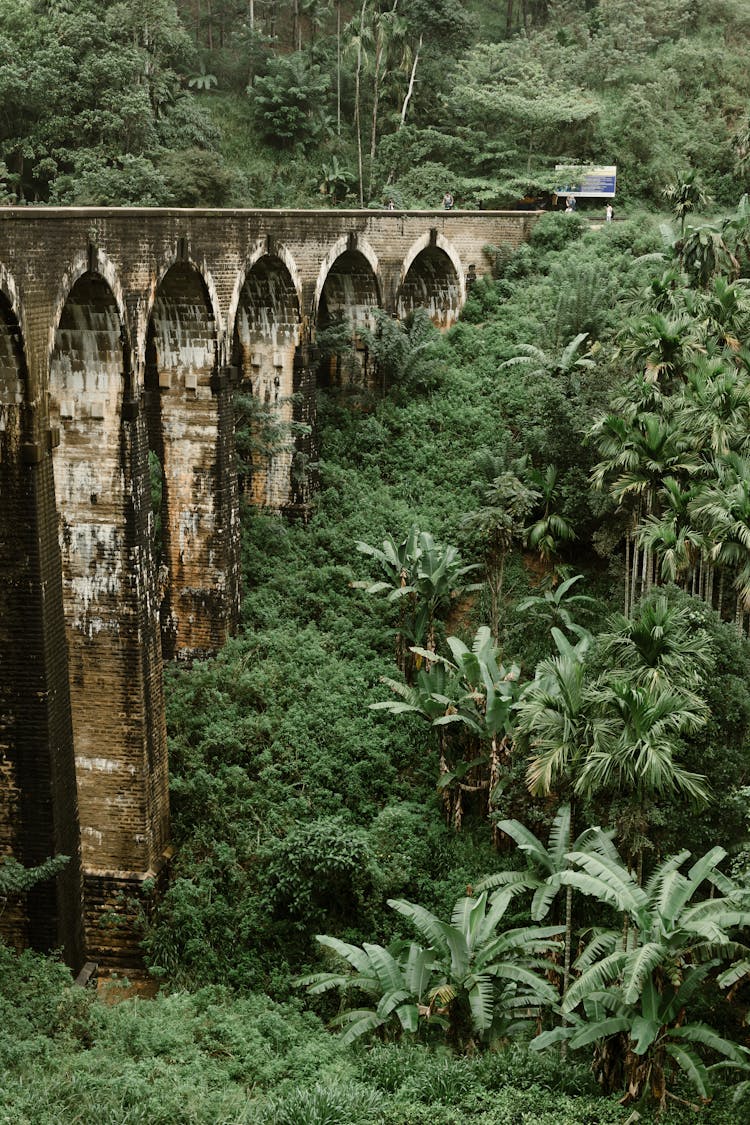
(588, 181)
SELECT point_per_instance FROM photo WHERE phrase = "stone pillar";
(191, 412)
(304, 473)
(111, 615)
(38, 801)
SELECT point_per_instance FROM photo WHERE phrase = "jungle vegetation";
(461, 813)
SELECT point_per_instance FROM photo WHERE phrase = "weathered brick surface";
(123, 330)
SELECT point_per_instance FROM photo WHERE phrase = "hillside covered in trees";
(303, 102)
(461, 814)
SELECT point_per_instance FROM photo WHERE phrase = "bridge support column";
(111, 616)
(38, 801)
(304, 474)
(190, 407)
(123, 779)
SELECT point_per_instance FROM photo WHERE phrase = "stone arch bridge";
(124, 334)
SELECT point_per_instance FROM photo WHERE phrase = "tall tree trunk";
(357, 116)
(567, 954)
(209, 26)
(375, 100)
(338, 68)
(410, 89)
(508, 17)
(296, 27)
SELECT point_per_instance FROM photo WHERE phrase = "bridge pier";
(38, 799)
(110, 605)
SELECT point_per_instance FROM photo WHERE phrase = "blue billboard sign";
(588, 181)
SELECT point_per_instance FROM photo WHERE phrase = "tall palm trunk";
(567, 953)
(357, 116)
(375, 103)
(338, 68)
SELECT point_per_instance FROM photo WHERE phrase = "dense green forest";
(461, 813)
(286, 102)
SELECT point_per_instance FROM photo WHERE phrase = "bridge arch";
(267, 330)
(209, 295)
(349, 289)
(101, 487)
(275, 249)
(432, 277)
(189, 419)
(96, 262)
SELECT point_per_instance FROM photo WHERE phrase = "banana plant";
(396, 978)
(636, 985)
(472, 692)
(544, 863)
(424, 577)
(466, 979)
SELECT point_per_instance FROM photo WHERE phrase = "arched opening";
(432, 283)
(114, 656)
(347, 303)
(189, 414)
(266, 336)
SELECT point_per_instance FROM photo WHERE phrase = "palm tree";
(638, 455)
(551, 529)
(634, 749)
(724, 311)
(389, 31)
(554, 719)
(659, 647)
(359, 45)
(660, 346)
(635, 988)
(714, 406)
(722, 510)
(685, 194)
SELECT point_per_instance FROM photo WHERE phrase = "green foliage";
(93, 101)
(469, 979)
(637, 985)
(288, 100)
(15, 878)
(409, 354)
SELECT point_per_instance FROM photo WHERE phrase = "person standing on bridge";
(448, 201)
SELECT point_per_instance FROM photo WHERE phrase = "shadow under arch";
(432, 278)
(38, 800)
(348, 292)
(267, 329)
